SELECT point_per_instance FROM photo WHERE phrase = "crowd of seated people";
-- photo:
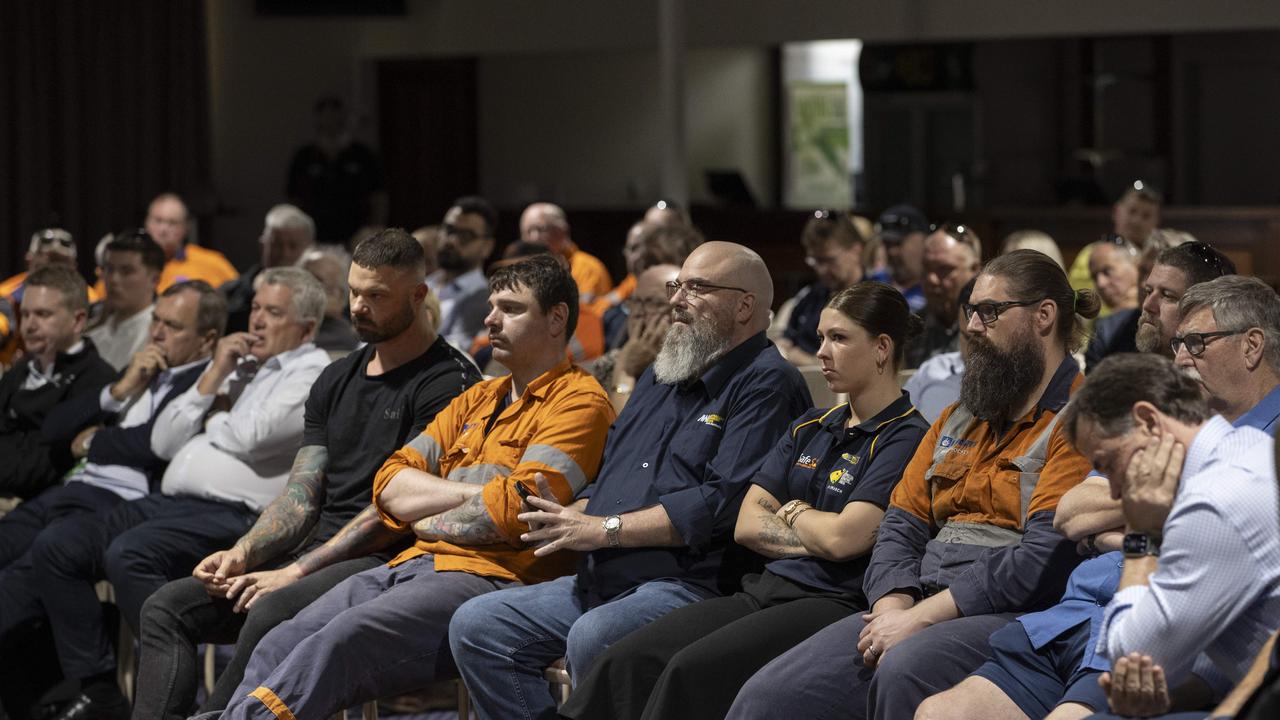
(367, 471)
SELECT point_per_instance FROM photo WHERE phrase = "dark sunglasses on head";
(959, 231)
(49, 237)
(1206, 254)
(1120, 242)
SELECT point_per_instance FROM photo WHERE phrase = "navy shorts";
(1039, 680)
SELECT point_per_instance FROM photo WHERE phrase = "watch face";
(1138, 544)
(613, 522)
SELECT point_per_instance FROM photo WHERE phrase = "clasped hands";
(223, 575)
(893, 620)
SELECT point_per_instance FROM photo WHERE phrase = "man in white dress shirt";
(131, 267)
(231, 439)
(1201, 567)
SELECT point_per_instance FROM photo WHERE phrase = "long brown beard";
(998, 382)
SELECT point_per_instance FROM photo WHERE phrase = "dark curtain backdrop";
(102, 106)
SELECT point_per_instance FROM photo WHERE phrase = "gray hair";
(308, 293)
(288, 217)
(337, 254)
(1239, 302)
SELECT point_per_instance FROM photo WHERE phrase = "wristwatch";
(1138, 545)
(612, 526)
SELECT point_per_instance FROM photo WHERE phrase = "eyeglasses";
(693, 289)
(1196, 342)
(989, 312)
(463, 234)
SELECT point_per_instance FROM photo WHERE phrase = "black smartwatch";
(1138, 545)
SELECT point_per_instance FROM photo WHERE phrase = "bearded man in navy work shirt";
(655, 526)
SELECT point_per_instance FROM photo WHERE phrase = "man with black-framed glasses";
(967, 541)
(1156, 318)
(1229, 341)
(466, 241)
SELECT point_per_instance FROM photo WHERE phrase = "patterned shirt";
(1217, 587)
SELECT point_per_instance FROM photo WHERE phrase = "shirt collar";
(1204, 444)
(1058, 392)
(168, 375)
(835, 420)
(715, 377)
(538, 387)
(1263, 415)
(281, 360)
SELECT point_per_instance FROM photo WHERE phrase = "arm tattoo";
(362, 535)
(777, 539)
(467, 524)
(287, 520)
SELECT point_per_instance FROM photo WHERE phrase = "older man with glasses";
(656, 527)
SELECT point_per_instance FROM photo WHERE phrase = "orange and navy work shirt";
(974, 479)
(557, 427)
(192, 262)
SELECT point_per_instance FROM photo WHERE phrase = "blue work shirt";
(692, 448)
(828, 465)
(1094, 582)
(802, 324)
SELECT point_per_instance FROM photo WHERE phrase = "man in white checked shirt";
(1201, 567)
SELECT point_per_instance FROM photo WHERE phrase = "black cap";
(901, 220)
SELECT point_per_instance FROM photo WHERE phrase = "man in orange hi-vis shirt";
(168, 222)
(458, 487)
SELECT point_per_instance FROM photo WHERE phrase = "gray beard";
(686, 351)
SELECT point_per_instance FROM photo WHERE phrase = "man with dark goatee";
(967, 542)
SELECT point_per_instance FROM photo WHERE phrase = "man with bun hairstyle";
(968, 539)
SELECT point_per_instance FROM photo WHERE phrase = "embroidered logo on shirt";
(389, 414)
(959, 445)
(839, 477)
(715, 421)
(851, 459)
(808, 462)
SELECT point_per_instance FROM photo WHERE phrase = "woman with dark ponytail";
(813, 508)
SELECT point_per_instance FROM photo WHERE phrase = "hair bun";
(1087, 303)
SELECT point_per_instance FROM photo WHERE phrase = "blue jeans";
(503, 641)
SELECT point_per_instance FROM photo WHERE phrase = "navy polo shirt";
(829, 466)
(692, 448)
(802, 324)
